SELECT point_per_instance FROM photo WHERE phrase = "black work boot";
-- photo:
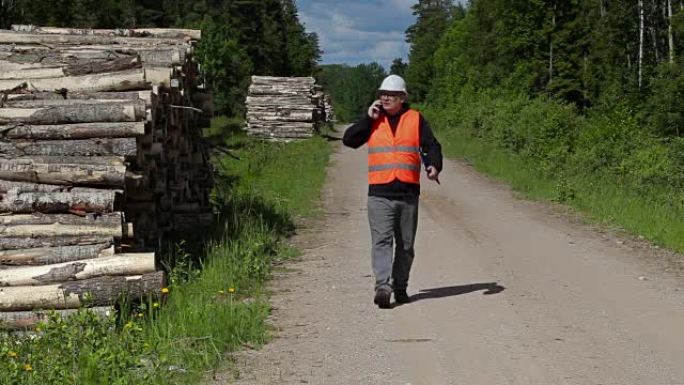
(382, 297)
(401, 296)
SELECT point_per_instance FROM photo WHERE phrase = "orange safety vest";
(395, 155)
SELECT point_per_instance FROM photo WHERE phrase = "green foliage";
(432, 19)
(352, 89)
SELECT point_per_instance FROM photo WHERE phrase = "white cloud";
(354, 32)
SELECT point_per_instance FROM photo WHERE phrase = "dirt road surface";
(504, 292)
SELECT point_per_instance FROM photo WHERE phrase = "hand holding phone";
(375, 110)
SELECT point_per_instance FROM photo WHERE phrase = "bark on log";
(86, 147)
(120, 64)
(7, 37)
(120, 264)
(54, 255)
(90, 201)
(81, 171)
(138, 32)
(41, 103)
(13, 243)
(82, 96)
(28, 320)
(132, 111)
(99, 291)
(114, 81)
(73, 131)
(60, 225)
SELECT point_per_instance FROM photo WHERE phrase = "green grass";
(216, 301)
(654, 212)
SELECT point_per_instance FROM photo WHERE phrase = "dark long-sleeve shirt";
(358, 134)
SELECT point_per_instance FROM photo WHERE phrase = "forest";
(583, 95)
(240, 38)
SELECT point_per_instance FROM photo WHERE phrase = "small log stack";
(282, 108)
(99, 135)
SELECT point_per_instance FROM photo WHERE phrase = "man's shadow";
(449, 291)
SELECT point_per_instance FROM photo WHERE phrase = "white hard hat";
(393, 83)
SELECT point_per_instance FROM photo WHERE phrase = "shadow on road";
(448, 291)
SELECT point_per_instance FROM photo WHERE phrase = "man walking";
(397, 137)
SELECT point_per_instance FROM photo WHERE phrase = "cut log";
(114, 81)
(116, 111)
(59, 225)
(31, 72)
(99, 291)
(48, 96)
(73, 131)
(13, 243)
(159, 76)
(89, 201)
(53, 255)
(194, 34)
(120, 264)
(85, 147)
(28, 320)
(7, 37)
(81, 171)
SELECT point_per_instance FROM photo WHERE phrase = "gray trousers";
(392, 221)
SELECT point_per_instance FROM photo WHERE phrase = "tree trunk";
(670, 35)
(101, 291)
(80, 171)
(120, 264)
(114, 81)
(18, 201)
(85, 147)
(61, 225)
(54, 255)
(73, 131)
(654, 32)
(114, 112)
(28, 320)
(641, 40)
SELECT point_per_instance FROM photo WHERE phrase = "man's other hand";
(432, 173)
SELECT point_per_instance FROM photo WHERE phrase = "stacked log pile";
(99, 136)
(282, 108)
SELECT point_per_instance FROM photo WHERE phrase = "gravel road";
(504, 292)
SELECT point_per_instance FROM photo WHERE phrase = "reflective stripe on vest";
(395, 155)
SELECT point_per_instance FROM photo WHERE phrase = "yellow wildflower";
(12, 354)
(129, 324)
(165, 290)
(155, 305)
(231, 290)
(221, 292)
(27, 367)
(140, 315)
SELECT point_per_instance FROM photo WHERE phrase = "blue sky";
(358, 31)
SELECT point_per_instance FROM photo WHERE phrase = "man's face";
(392, 100)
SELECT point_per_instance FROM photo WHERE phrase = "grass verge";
(653, 212)
(215, 301)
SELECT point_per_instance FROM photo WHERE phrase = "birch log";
(73, 131)
(53, 255)
(28, 320)
(7, 37)
(110, 81)
(119, 64)
(99, 291)
(79, 113)
(120, 264)
(85, 201)
(60, 225)
(18, 243)
(142, 32)
(82, 171)
(85, 147)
